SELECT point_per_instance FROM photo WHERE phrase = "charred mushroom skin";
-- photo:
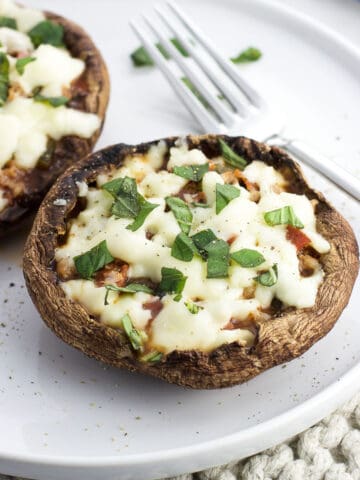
(285, 336)
(68, 149)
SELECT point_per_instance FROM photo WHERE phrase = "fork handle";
(342, 178)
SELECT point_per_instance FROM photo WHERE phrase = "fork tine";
(201, 114)
(233, 97)
(219, 107)
(225, 64)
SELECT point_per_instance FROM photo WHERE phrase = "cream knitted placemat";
(330, 450)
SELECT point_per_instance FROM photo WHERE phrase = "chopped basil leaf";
(202, 240)
(47, 32)
(178, 45)
(52, 101)
(269, 278)
(231, 157)
(22, 62)
(251, 54)
(218, 259)
(283, 216)
(4, 78)
(128, 202)
(193, 308)
(181, 212)
(192, 172)
(151, 357)
(200, 205)
(248, 258)
(130, 288)
(92, 260)
(224, 195)
(141, 58)
(172, 281)
(8, 22)
(120, 186)
(132, 333)
(196, 92)
(145, 209)
(124, 191)
(183, 248)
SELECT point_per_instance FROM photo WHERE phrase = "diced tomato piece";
(297, 237)
(155, 307)
(22, 54)
(231, 239)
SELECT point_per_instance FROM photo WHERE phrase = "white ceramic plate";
(63, 415)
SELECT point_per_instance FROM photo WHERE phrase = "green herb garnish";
(248, 258)
(145, 209)
(202, 240)
(172, 281)
(192, 172)
(269, 278)
(251, 54)
(52, 101)
(124, 191)
(141, 58)
(22, 62)
(183, 248)
(231, 157)
(47, 32)
(224, 195)
(178, 45)
(196, 92)
(4, 78)
(283, 216)
(151, 357)
(128, 202)
(130, 288)
(193, 308)
(8, 22)
(218, 259)
(181, 212)
(132, 333)
(93, 260)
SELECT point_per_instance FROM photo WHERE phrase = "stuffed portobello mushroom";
(54, 91)
(201, 260)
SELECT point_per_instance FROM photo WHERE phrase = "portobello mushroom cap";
(91, 96)
(285, 336)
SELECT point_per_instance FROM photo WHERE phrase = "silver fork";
(232, 105)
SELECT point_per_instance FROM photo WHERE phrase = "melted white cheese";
(26, 18)
(13, 41)
(175, 327)
(30, 123)
(53, 69)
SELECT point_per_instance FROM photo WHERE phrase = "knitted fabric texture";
(330, 450)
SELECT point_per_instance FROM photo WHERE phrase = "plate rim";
(328, 398)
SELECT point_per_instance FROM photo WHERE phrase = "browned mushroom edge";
(90, 93)
(285, 336)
